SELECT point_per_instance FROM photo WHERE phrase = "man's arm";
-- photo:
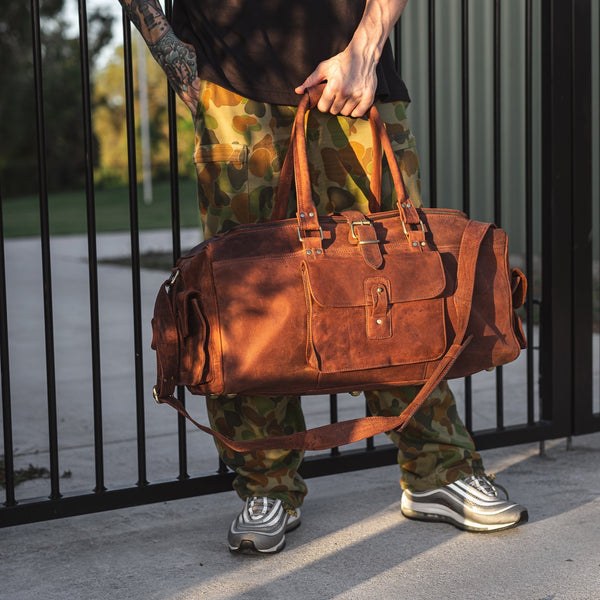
(178, 60)
(350, 75)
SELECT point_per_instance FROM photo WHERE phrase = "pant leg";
(272, 473)
(435, 448)
(240, 146)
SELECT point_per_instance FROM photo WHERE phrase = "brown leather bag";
(317, 305)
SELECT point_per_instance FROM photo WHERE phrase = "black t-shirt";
(263, 49)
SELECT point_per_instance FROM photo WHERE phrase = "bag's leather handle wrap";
(346, 432)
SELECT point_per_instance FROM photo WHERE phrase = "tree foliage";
(61, 85)
(110, 121)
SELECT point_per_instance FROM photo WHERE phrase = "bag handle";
(291, 164)
(346, 432)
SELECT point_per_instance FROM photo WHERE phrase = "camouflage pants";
(240, 146)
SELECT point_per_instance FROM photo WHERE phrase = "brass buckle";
(155, 394)
(353, 223)
(302, 239)
(406, 231)
(353, 233)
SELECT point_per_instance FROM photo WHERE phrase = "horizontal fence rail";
(489, 81)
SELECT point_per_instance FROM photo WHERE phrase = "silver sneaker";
(261, 526)
(471, 504)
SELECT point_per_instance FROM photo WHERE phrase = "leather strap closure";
(378, 308)
(362, 233)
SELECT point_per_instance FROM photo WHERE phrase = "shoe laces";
(259, 506)
(483, 483)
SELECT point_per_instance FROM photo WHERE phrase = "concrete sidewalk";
(353, 543)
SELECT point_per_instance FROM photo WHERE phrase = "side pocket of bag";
(192, 328)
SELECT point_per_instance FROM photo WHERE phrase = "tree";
(62, 96)
(110, 121)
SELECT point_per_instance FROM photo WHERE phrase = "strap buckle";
(354, 236)
(302, 239)
(353, 233)
(406, 231)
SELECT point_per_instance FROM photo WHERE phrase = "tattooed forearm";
(148, 18)
(178, 61)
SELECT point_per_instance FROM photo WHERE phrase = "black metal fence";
(548, 393)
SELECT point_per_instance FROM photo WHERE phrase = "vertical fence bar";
(176, 237)
(581, 125)
(92, 253)
(529, 207)
(498, 179)
(9, 469)
(333, 418)
(557, 242)
(398, 47)
(45, 243)
(135, 254)
(368, 413)
(432, 109)
(466, 164)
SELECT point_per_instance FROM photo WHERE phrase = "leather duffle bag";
(347, 302)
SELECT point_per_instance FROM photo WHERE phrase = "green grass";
(68, 212)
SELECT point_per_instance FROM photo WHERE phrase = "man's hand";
(350, 75)
(178, 60)
(351, 83)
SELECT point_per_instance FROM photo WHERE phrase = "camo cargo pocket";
(222, 185)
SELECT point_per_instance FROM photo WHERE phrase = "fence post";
(566, 331)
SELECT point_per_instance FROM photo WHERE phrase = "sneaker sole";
(248, 546)
(465, 524)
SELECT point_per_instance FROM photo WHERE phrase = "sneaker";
(471, 504)
(261, 526)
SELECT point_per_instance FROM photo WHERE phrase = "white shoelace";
(482, 484)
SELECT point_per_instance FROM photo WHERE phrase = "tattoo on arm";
(148, 17)
(177, 60)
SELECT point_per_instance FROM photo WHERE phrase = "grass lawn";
(68, 212)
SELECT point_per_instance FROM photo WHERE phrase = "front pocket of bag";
(359, 319)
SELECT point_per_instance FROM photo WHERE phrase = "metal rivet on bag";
(311, 214)
(213, 396)
(423, 244)
(408, 205)
(415, 243)
(355, 393)
(231, 396)
(309, 252)
(380, 290)
(319, 251)
(379, 321)
(302, 215)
